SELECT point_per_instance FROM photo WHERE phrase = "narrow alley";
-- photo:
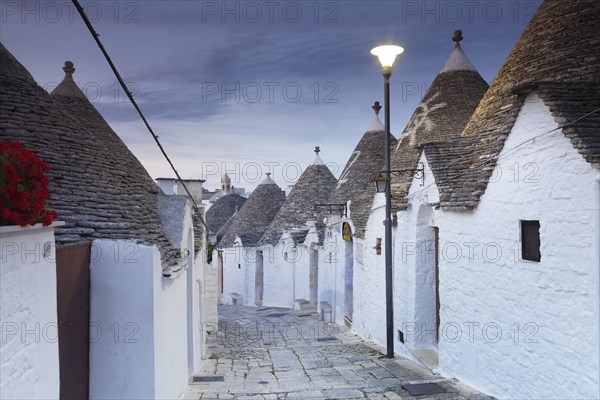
(271, 353)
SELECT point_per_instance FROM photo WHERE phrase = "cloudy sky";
(250, 87)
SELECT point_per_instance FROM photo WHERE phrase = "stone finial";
(458, 37)
(268, 174)
(69, 68)
(317, 150)
(376, 107)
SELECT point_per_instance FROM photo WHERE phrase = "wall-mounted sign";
(346, 231)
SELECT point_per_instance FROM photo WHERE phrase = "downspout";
(597, 257)
(294, 276)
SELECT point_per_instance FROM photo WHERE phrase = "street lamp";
(380, 183)
(387, 54)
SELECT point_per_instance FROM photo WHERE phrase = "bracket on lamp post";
(339, 207)
(418, 173)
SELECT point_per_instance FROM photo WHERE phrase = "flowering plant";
(23, 187)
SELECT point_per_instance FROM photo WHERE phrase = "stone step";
(429, 358)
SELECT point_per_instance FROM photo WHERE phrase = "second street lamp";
(387, 54)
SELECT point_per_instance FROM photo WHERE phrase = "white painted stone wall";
(369, 277)
(139, 324)
(171, 329)
(513, 328)
(239, 265)
(123, 274)
(332, 262)
(302, 273)
(278, 266)
(414, 294)
(287, 271)
(29, 364)
(554, 303)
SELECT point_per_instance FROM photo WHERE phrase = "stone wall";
(29, 364)
(510, 327)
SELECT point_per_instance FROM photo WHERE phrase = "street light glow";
(387, 54)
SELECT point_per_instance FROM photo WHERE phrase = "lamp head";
(387, 54)
(381, 183)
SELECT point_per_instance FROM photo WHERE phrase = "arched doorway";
(426, 289)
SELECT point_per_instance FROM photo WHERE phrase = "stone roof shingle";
(558, 54)
(255, 216)
(222, 209)
(96, 184)
(441, 115)
(313, 187)
(356, 181)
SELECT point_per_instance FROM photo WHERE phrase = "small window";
(530, 240)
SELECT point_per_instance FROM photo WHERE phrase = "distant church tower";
(225, 185)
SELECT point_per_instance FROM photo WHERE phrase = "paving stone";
(285, 366)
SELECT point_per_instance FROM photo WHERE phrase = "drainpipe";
(294, 276)
(597, 257)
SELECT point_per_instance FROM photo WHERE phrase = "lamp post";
(387, 54)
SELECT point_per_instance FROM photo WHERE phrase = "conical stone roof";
(558, 56)
(441, 115)
(255, 216)
(97, 186)
(222, 209)
(356, 181)
(313, 187)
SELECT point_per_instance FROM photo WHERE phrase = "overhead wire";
(96, 37)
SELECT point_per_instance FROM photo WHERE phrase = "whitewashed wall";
(171, 344)
(29, 364)
(369, 278)
(414, 288)
(301, 270)
(332, 264)
(123, 275)
(279, 274)
(139, 323)
(514, 328)
(554, 303)
(239, 264)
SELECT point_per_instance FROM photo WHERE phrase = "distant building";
(288, 249)
(237, 250)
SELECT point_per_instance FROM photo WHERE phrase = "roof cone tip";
(317, 160)
(69, 67)
(458, 37)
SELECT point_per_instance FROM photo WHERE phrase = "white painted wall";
(170, 334)
(332, 262)
(123, 275)
(29, 364)
(302, 272)
(139, 324)
(369, 318)
(239, 268)
(513, 328)
(279, 274)
(554, 301)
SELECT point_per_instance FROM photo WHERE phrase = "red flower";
(23, 187)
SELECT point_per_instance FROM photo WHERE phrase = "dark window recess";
(400, 336)
(239, 266)
(530, 240)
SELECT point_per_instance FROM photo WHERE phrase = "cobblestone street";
(270, 353)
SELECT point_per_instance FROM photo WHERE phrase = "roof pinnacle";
(458, 37)
(376, 107)
(69, 68)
